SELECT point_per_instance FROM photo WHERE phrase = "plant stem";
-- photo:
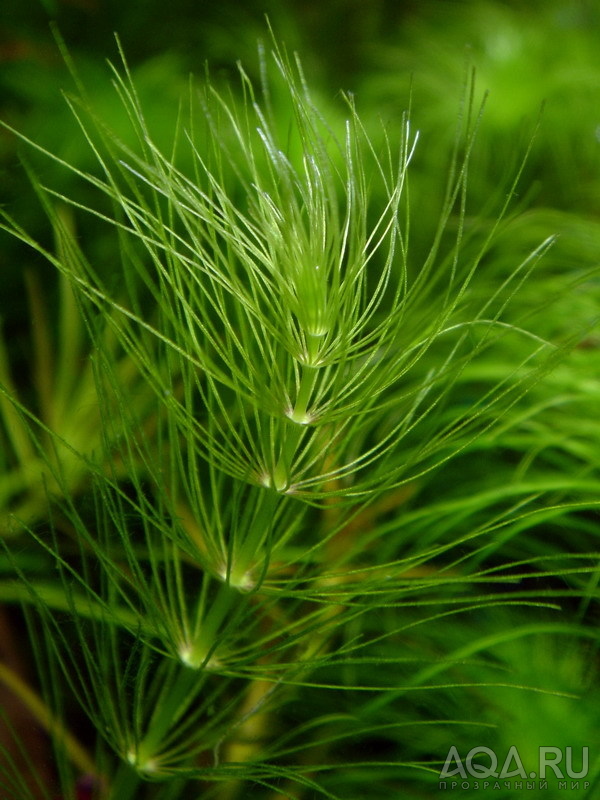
(176, 698)
(258, 524)
(200, 651)
(299, 413)
(125, 784)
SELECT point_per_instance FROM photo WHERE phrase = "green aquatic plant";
(272, 582)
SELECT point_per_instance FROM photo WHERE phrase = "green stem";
(299, 413)
(210, 625)
(259, 523)
(299, 417)
(125, 784)
(313, 346)
(283, 468)
(174, 701)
